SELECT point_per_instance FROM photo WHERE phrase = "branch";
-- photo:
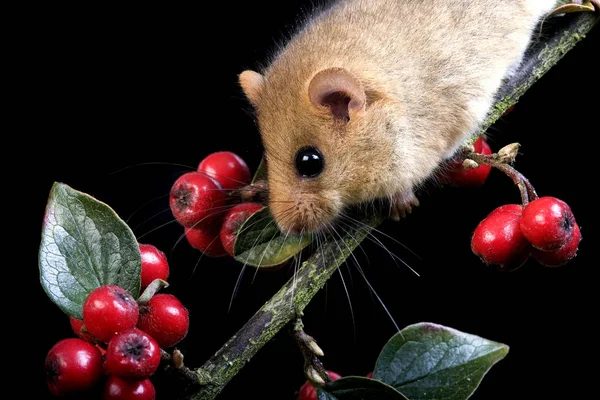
(293, 297)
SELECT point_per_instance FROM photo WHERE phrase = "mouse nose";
(301, 214)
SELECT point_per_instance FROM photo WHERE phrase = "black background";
(120, 102)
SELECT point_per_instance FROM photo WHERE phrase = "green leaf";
(261, 171)
(154, 287)
(259, 242)
(358, 388)
(427, 361)
(84, 245)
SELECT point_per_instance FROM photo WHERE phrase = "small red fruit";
(165, 319)
(121, 389)
(498, 240)
(513, 208)
(308, 391)
(456, 175)
(107, 310)
(233, 221)
(206, 239)
(509, 110)
(154, 264)
(557, 258)
(547, 223)
(72, 365)
(229, 169)
(196, 199)
(77, 326)
(478, 145)
(370, 375)
(132, 354)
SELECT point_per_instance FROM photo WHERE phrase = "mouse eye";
(309, 162)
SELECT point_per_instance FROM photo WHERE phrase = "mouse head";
(319, 147)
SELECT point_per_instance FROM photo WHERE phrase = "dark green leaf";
(260, 244)
(84, 245)
(429, 361)
(261, 171)
(358, 388)
(323, 395)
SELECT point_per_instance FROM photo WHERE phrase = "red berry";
(109, 309)
(498, 240)
(154, 264)
(456, 175)
(132, 354)
(370, 375)
(478, 145)
(77, 326)
(196, 199)
(72, 365)
(513, 208)
(233, 221)
(206, 239)
(557, 258)
(509, 109)
(229, 169)
(308, 392)
(121, 389)
(165, 319)
(547, 223)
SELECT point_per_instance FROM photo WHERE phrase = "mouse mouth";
(304, 214)
(303, 224)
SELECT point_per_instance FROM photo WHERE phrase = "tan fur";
(429, 71)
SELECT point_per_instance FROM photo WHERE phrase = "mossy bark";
(293, 297)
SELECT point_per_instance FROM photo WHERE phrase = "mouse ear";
(252, 84)
(338, 89)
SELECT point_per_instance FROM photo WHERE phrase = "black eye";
(309, 162)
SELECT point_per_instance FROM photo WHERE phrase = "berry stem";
(527, 190)
(256, 192)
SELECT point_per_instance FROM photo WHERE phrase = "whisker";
(332, 229)
(241, 274)
(374, 229)
(155, 229)
(374, 292)
(150, 218)
(144, 205)
(394, 257)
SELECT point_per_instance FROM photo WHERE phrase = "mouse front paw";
(402, 204)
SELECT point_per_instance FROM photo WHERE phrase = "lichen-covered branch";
(311, 277)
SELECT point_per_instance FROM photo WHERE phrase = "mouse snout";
(302, 213)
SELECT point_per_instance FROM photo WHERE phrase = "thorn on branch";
(175, 361)
(313, 368)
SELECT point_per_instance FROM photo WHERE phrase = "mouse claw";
(402, 204)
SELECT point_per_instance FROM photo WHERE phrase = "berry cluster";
(208, 204)
(544, 229)
(119, 338)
